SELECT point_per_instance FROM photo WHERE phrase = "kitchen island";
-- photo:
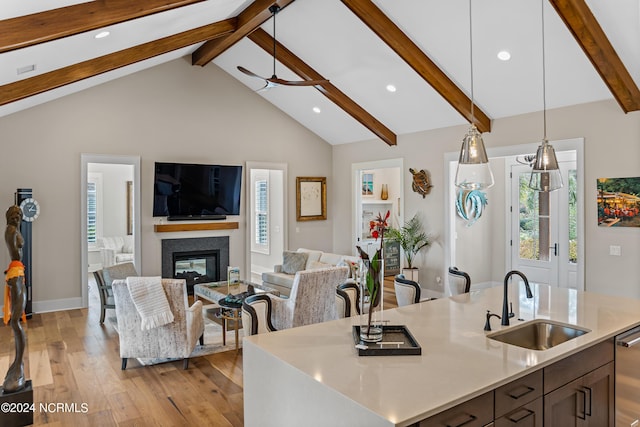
(313, 376)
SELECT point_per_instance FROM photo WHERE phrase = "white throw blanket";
(150, 300)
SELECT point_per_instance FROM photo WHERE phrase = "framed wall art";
(367, 184)
(618, 202)
(129, 208)
(311, 198)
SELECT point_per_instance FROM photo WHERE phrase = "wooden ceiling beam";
(589, 34)
(23, 31)
(256, 14)
(406, 49)
(73, 73)
(306, 72)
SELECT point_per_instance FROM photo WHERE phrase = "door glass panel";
(573, 217)
(534, 221)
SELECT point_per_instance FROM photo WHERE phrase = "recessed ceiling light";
(317, 110)
(102, 34)
(504, 55)
(391, 88)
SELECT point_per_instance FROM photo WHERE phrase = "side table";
(216, 292)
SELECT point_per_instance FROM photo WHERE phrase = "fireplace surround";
(196, 257)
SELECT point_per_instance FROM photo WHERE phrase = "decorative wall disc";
(470, 204)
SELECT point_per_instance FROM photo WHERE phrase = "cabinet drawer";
(518, 393)
(567, 370)
(529, 415)
(476, 412)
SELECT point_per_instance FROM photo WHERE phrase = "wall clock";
(30, 209)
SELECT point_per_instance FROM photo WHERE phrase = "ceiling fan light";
(545, 175)
(474, 171)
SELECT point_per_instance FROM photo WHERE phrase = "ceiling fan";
(274, 80)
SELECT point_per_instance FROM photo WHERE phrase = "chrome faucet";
(505, 310)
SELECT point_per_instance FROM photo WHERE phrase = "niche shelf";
(168, 228)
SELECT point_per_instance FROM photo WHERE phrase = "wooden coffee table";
(228, 312)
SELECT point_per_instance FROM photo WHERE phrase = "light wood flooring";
(73, 360)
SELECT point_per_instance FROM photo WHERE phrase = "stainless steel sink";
(538, 334)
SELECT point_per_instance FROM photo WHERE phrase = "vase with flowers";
(371, 283)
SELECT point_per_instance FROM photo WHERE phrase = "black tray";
(390, 333)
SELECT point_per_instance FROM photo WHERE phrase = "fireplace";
(197, 260)
(196, 267)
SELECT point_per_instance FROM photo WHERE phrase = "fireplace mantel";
(167, 228)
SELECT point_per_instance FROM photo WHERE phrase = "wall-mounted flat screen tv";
(194, 190)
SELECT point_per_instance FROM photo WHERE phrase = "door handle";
(469, 418)
(583, 394)
(587, 399)
(555, 249)
(527, 414)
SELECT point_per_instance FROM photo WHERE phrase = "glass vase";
(371, 298)
(384, 194)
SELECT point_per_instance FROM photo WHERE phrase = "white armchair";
(312, 300)
(115, 250)
(174, 340)
(407, 291)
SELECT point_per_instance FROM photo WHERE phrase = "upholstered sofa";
(115, 250)
(283, 274)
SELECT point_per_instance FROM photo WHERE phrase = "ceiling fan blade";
(298, 82)
(266, 87)
(251, 74)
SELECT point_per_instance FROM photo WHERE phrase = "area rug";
(212, 340)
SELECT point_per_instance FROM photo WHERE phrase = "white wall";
(172, 112)
(612, 149)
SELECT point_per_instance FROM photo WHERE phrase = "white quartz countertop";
(458, 361)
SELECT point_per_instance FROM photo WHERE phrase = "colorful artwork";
(618, 202)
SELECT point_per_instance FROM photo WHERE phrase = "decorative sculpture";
(15, 299)
(421, 182)
(470, 204)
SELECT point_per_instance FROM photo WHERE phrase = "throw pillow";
(292, 262)
(314, 265)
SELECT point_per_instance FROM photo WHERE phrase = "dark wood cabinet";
(528, 415)
(518, 393)
(575, 391)
(477, 412)
(586, 401)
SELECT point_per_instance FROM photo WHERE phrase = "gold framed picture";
(129, 208)
(311, 198)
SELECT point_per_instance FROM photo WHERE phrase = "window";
(92, 210)
(573, 216)
(262, 213)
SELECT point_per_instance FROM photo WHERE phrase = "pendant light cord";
(471, 61)
(544, 87)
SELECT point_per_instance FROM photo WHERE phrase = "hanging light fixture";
(545, 175)
(473, 172)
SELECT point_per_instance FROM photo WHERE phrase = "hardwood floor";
(74, 361)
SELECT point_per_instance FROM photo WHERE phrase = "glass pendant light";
(545, 175)
(473, 172)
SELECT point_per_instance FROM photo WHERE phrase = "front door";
(543, 228)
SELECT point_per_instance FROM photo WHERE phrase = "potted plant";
(412, 238)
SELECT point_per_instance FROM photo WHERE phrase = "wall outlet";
(614, 250)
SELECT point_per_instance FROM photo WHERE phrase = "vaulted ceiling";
(48, 49)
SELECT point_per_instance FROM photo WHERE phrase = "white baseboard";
(56, 305)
